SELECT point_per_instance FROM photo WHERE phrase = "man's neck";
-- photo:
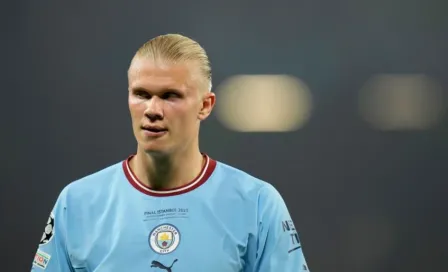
(166, 171)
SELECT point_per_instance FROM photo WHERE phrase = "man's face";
(166, 103)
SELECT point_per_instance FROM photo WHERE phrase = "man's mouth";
(154, 129)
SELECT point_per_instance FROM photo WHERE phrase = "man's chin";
(155, 150)
(157, 153)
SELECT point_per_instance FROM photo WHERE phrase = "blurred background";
(341, 105)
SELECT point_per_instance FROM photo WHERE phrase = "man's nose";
(154, 108)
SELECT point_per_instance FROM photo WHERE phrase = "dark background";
(363, 199)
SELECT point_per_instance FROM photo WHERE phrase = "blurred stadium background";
(340, 104)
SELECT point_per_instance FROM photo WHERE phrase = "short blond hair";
(177, 48)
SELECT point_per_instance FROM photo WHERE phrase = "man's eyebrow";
(164, 90)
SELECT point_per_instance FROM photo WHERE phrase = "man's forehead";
(166, 71)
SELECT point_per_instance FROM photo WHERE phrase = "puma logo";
(161, 266)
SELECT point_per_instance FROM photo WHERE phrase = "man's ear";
(208, 102)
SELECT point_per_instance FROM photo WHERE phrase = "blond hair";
(177, 48)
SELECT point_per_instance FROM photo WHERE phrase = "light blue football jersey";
(223, 221)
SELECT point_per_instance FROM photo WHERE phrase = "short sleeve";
(278, 244)
(51, 255)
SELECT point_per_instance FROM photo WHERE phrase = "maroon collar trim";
(203, 176)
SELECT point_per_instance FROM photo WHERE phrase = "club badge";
(164, 239)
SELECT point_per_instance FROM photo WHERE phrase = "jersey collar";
(206, 172)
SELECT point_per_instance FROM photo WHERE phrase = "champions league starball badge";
(164, 239)
(49, 230)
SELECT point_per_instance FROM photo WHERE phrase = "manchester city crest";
(164, 239)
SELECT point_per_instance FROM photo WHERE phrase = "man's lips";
(154, 128)
(154, 131)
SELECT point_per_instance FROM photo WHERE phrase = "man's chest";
(175, 239)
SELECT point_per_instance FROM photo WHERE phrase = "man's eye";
(142, 94)
(169, 95)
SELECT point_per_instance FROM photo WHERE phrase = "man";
(170, 207)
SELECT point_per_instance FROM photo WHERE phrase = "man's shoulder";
(97, 181)
(236, 177)
(232, 175)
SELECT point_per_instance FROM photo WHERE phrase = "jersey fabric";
(223, 221)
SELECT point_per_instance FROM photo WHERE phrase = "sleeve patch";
(289, 229)
(49, 230)
(41, 259)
